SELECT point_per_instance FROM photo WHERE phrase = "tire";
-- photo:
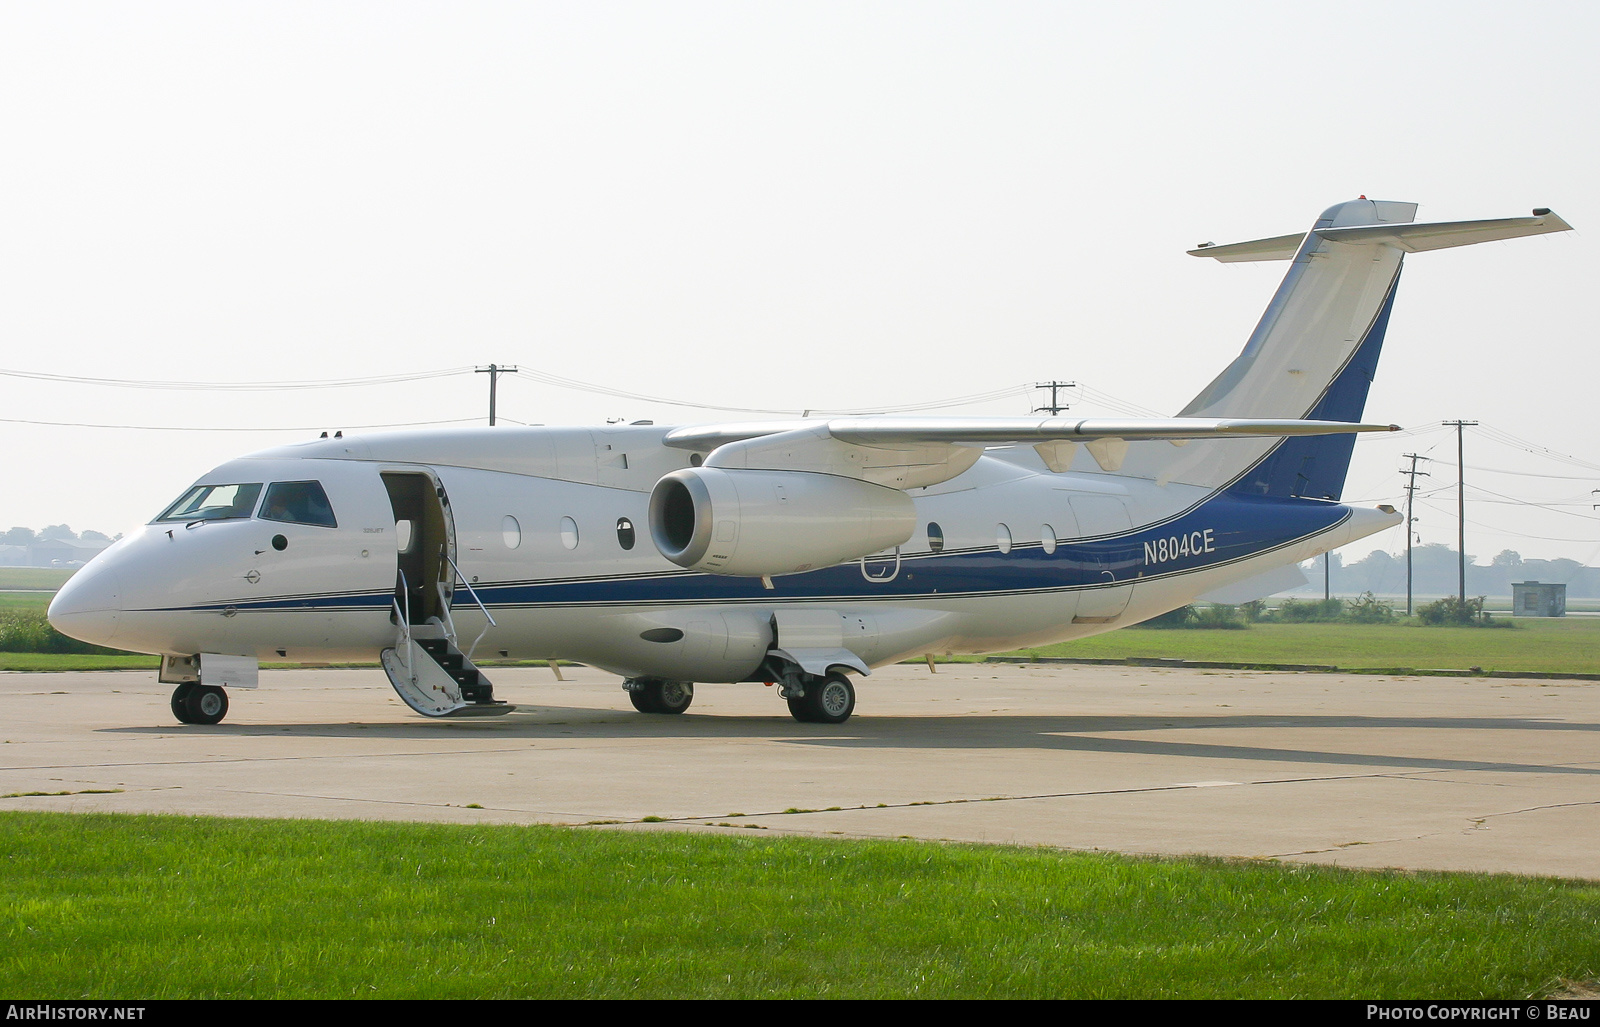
(829, 700)
(670, 697)
(205, 704)
(674, 696)
(180, 701)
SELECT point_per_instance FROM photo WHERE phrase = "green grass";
(105, 906)
(1569, 645)
(77, 661)
(34, 577)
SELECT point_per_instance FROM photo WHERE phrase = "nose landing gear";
(652, 695)
(194, 703)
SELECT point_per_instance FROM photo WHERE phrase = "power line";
(1411, 495)
(1461, 505)
(1055, 406)
(326, 383)
(163, 427)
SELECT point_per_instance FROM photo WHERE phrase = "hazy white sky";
(773, 205)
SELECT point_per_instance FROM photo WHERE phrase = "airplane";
(799, 553)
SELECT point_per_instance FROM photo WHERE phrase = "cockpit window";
(298, 502)
(213, 503)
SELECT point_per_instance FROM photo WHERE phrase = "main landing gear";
(813, 699)
(826, 700)
(194, 703)
(652, 695)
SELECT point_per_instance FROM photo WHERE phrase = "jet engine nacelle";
(756, 523)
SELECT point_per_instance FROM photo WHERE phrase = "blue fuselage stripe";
(1224, 529)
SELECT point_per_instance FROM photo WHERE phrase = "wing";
(914, 452)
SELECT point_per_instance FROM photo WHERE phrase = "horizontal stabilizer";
(1282, 247)
(1411, 238)
(1442, 235)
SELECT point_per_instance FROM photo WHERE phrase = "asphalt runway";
(1366, 771)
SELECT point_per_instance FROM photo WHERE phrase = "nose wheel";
(194, 703)
(651, 695)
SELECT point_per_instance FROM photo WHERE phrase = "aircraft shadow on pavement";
(1086, 734)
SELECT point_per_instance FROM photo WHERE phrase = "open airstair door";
(429, 673)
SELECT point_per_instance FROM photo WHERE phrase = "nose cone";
(89, 605)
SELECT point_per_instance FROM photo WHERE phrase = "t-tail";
(1315, 351)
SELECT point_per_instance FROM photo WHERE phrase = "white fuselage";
(547, 528)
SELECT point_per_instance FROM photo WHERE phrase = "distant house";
(1533, 599)
(62, 552)
(15, 556)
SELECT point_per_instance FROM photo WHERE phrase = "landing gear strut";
(194, 703)
(652, 695)
(827, 700)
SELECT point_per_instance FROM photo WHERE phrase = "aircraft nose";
(88, 607)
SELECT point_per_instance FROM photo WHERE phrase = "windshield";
(213, 503)
(298, 502)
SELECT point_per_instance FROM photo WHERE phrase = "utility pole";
(1411, 494)
(1461, 507)
(494, 371)
(1055, 405)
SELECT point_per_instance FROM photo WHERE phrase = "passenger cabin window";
(935, 537)
(625, 535)
(213, 503)
(298, 502)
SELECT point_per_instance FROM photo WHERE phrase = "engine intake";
(754, 523)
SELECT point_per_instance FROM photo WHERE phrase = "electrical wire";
(327, 383)
(235, 428)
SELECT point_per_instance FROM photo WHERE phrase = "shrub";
(1179, 618)
(1369, 609)
(1199, 617)
(27, 631)
(1453, 611)
(1226, 618)
(1322, 611)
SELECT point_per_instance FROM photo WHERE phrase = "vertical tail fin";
(1316, 348)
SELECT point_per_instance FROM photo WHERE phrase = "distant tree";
(90, 535)
(18, 537)
(1378, 571)
(60, 531)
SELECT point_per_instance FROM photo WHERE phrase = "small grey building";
(1533, 599)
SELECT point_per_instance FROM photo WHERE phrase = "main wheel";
(203, 704)
(653, 696)
(180, 701)
(828, 701)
